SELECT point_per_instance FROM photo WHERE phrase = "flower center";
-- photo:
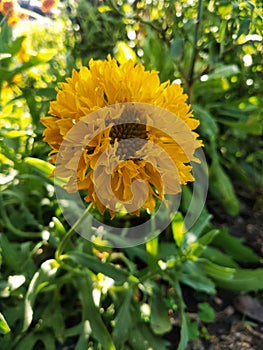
(130, 135)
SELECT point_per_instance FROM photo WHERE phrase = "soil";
(239, 318)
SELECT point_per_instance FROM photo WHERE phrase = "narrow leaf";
(222, 189)
(4, 328)
(216, 271)
(244, 280)
(44, 168)
(235, 247)
(96, 265)
(40, 279)
(92, 313)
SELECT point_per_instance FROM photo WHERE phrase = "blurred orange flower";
(11, 9)
(47, 5)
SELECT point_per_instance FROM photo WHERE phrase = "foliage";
(57, 288)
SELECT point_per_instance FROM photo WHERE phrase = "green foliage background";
(92, 297)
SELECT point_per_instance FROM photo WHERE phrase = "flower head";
(120, 135)
(48, 5)
(10, 8)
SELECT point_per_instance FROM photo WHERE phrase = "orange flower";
(47, 5)
(11, 9)
(124, 101)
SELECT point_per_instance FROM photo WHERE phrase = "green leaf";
(41, 279)
(244, 280)
(233, 111)
(44, 168)
(97, 266)
(10, 256)
(167, 250)
(193, 276)
(92, 314)
(206, 313)
(184, 334)
(244, 27)
(5, 35)
(141, 338)
(186, 199)
(15, 46)
(196, 248)
(124, 317)
(193, 331)
(54, 312)
(235, 247)
(208, 126)
(75, 330)
(157, 55)
(177, 48)
(208, 237)
(216, 271)
(222, 31)
(199, 226)
(219, 257)
(221, 187)
(252, 126)
(48, 341)
(212, 87)
(224, 71)
(159, 318)
(4, 328)
(27, 342)
(30, 95)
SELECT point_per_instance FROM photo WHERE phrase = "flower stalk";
(63, 243)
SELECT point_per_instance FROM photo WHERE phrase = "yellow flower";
(23, 54)
(145, 139)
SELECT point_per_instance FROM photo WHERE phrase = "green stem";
(70, 232)
(195, 48)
